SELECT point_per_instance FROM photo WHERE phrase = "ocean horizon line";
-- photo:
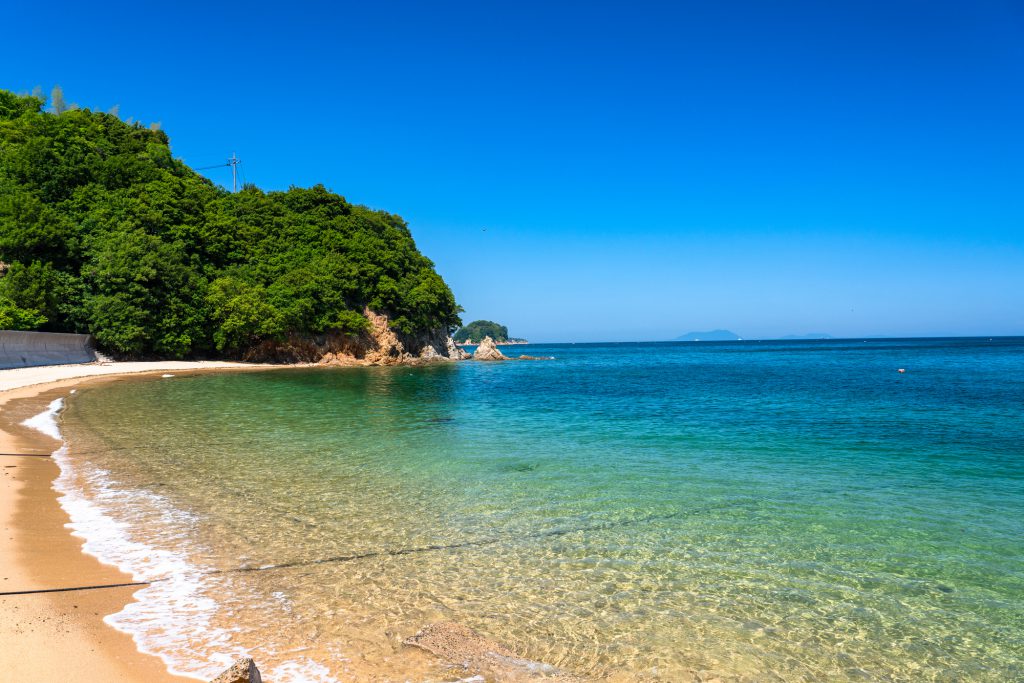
(866, 338)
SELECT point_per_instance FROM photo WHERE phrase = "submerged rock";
(464, 647)
(487, 350)
(456, 643)
(242, 671)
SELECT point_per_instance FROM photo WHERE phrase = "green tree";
(478, 329)
(13, 317)
(242, 315)
(56, 297)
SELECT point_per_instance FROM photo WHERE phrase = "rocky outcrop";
(455, 352)
(487, 350)
(428, 353)
(242, 671)
(386, 348)
(380, 344)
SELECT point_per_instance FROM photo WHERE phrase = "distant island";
(478, 329)
(713, 335)
(809, 335)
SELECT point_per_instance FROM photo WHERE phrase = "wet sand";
(59, 636)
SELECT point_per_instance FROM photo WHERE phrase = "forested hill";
(478, 329)
(102, 231)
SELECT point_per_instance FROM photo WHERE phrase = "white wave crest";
(170, 618)
(46, 421)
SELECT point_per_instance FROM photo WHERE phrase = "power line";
(204, 168)
(234, 162)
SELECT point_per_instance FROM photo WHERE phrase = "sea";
(834, 510)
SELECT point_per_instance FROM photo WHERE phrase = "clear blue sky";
(610, 171)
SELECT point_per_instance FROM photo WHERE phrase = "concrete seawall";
(29, 349)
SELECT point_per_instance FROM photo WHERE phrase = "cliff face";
(378, 345)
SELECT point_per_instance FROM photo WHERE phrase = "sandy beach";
(59, 635)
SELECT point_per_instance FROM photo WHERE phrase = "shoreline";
(53, 636)
(67, 633)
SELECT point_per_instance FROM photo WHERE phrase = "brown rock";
(487, 350)
(379, 344)
(429, 353)
(386, 349)
(455, 352)
(242, 671)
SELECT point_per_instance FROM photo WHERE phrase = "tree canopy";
(478, 329)
(103, 231)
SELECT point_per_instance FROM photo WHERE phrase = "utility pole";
(233, 163)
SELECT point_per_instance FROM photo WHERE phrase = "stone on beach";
(242, 671)
(487, 350)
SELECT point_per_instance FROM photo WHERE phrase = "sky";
(598, 171)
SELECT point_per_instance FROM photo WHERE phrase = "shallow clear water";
(750, 510)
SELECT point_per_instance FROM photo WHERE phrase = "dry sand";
(59, 636)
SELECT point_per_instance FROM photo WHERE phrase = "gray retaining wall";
(28, 349)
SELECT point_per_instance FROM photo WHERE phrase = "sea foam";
(170, 618)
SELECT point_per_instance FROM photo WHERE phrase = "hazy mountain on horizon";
(713, 335)
(809, 335)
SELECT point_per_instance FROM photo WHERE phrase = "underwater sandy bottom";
(316, 520)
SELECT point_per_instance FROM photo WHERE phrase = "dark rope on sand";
(25, 455)
(552, 533)
(78, 588)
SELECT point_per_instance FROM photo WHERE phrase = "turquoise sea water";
(762, 511)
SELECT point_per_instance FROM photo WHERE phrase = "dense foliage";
(102, 231)
(478, 329)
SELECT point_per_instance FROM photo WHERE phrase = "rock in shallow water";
(242, 671)
(454, 352)
(429, 353)
(487, 350)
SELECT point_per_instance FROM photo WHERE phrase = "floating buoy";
(901, 370)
